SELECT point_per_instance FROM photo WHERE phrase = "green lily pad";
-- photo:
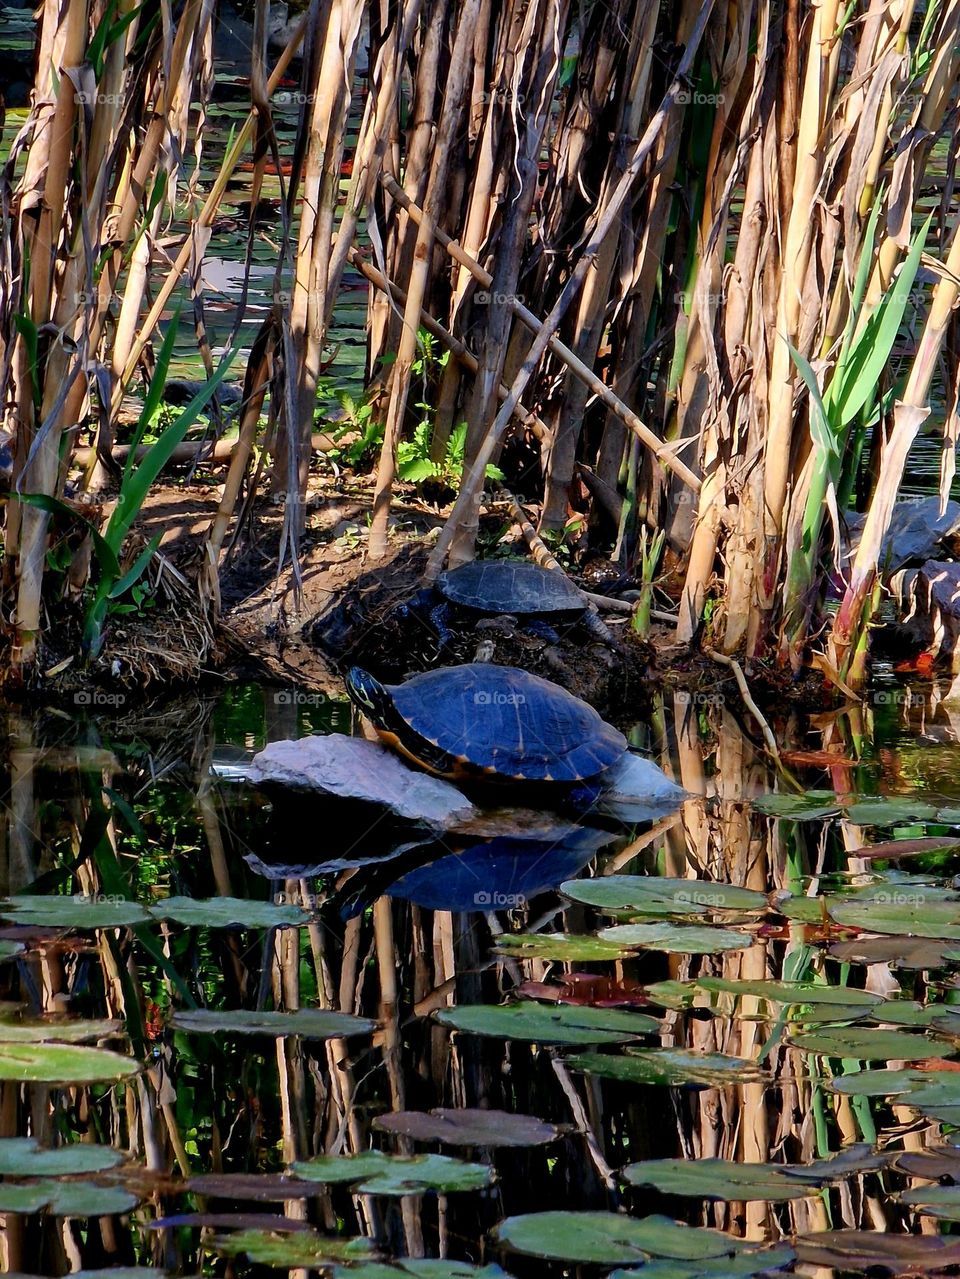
(676, 1067)
(893, 915)
(792, 992)
(883, 1083)
(677, 939)
(10, 949)
(549, 1023)
(722, 1179)
(610, 1238)
(890, 812)
(427, 1268)
(942, 1202)
(867, 1044)
(228, 912)
(659, 896)
(61, 1030)
(877, 1252)
(576, 949)
(23, 1157)
(66, 1199)
(288, 1251)
(73, 912)
(311, 1023)
(63, 1064)
(808, 807)
(374, 1173)
(745, 1265)
(469, 1127)
(907, 1012)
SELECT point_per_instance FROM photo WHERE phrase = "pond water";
(726, 1046)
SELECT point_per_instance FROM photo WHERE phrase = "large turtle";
(484, 721)
(542, 598)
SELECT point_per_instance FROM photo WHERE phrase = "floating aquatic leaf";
(257, 1186)
(609, 1238)
(23, 1157)
(579, 949)
(898, 952)
(311, 1023)
(66, 1198)
(808, 807)
(866, 1044)
(290, 1250)
(549, 1023)
(10, 949)
(803, 909)
(745, 1265)
(658, 895)
(73, 912)
(890, 812)
(894, 849)
(677, 939)
(374, 1173)
(906, 1012)
(228, 912)
(792, 992)
(936, 1163)
(673, 1066)
(469, 1127)
(883, 1083)
(934, 1201)
(722, 1179)
(414, 1269)
(62, 1030)
(902, 918)
(63, 1064)
(878, 1252)
(856, 1159)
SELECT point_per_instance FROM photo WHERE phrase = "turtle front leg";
(440, 619)
(599, 630)
(534, 626)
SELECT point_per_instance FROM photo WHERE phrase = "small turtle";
(489, 722)
(543, 598)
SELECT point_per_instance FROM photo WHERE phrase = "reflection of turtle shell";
(499, 873)
(511, 586)
(497, 720)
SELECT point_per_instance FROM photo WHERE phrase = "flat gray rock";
(636, 790)
(353, 768)
(916, 530)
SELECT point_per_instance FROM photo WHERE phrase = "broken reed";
(670, 272)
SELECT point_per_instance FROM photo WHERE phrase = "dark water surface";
(167, 918)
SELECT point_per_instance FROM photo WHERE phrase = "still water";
(250, 1031)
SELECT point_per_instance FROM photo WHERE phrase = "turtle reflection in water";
(485, 722)
(540, 599)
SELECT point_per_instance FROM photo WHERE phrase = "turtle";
(542, 597)
(484, 722)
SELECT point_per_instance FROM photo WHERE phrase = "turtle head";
(369, 695)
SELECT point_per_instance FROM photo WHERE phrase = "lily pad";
(428, 1268)
(23, 1157)
(66, 1199)
(228, 912)
(676, 1067)
(311, 1023)
(914, 953)
(677, 939)
(660, 896)
(890, 812)
(883, 1083)
(63, 1064)
(808, 807)
(290, 1250)
(722, 1179)
(745, 1265)
(469, 1127)
(61, 1030)
(73, 912)
(792, 992)
(866, 1044)
(374, 1173)
(574, 949)
(901, 918)
(549, 1023)
(878, 1252)
(610, 1238)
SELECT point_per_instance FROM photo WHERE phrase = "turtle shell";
(480, 718)
(511, 586)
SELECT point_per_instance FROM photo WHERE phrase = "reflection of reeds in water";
(226, 1104)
